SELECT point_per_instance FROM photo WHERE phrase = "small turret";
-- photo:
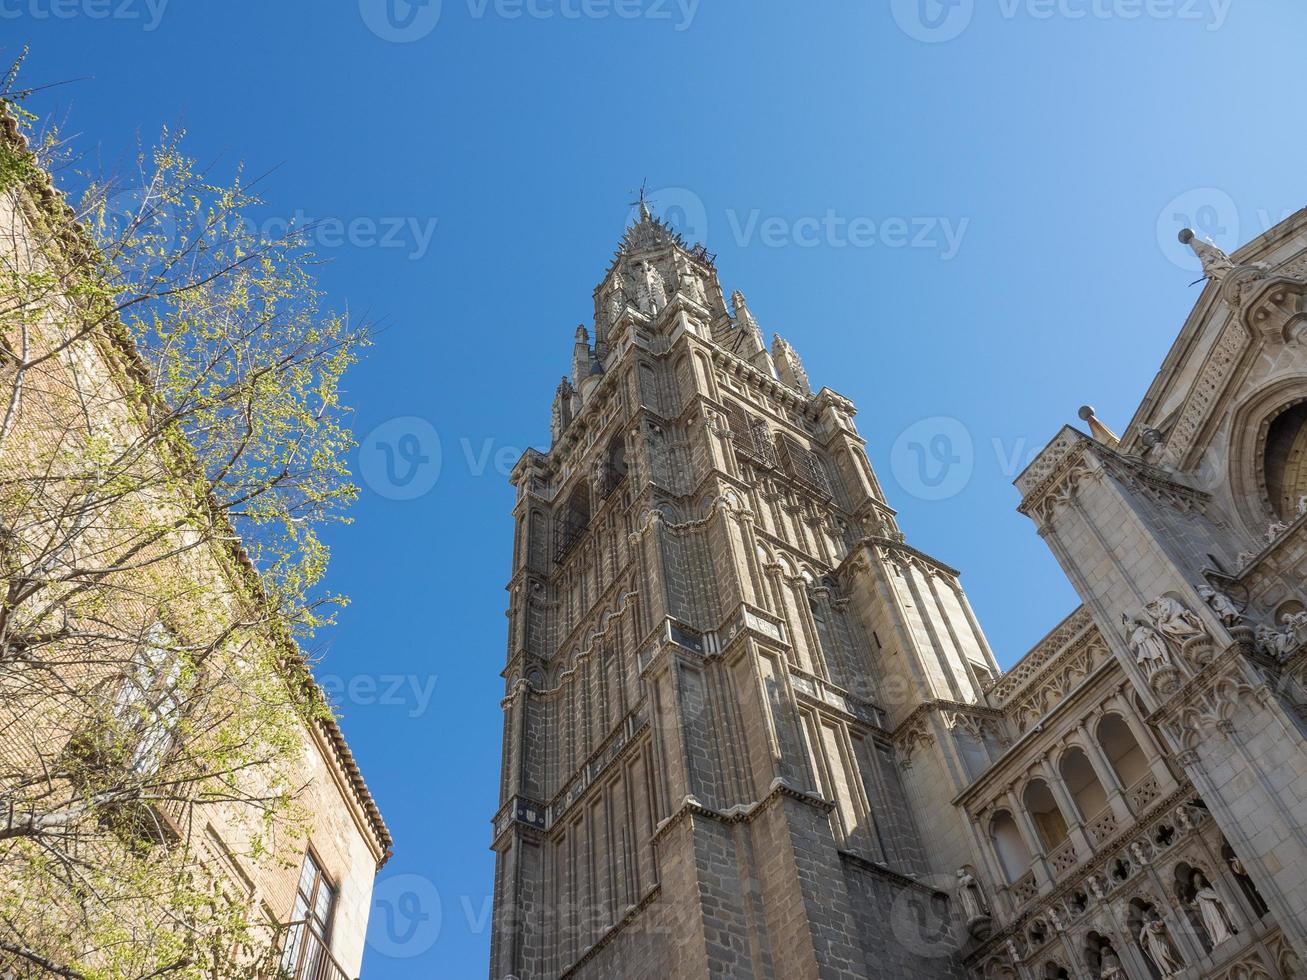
(562, 414)
(788, 365)
(586, 368)
(749, 342)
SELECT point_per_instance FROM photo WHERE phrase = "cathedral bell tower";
(736, 698)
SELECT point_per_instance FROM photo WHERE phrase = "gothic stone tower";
(717, 636)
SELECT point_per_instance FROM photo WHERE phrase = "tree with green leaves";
(172, 443)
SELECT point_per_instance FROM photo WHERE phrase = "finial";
(1100, 431)
(1215, 262)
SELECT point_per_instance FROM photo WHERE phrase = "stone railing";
(1143, 792)
(1103, 826)
(1025, 889)
(1041, 921)
(1063, 858)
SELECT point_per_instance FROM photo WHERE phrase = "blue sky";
(962, 214)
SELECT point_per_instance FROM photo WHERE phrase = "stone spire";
(749, 342)
(561, 416)
(585, 365)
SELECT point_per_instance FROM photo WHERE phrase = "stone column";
(1075, 820)
(1034, 844)
(1106, 774)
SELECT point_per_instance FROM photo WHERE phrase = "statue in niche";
(1216, 919)
(1174, 619)
(1149, 648)
(692, 286)
(653, 291)
(1111, 965)
(1221, 604)
(1156, 942)
(971, 897)
(616, 305)
(1247, 884)
(1277, 643)
(1294, 621)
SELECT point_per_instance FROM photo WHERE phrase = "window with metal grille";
(804, 465)
(752, 438)
(570, 523)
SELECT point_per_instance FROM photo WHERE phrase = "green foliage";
(172, 442)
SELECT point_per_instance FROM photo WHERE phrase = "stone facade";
(751, 732)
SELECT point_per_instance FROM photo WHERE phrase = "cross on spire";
(643, 201)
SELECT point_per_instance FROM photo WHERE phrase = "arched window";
(1122, 750)
(1043, 810)
(1012, 852)
(1285, 462)
(1082, 782)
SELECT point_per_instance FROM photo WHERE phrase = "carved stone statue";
(1216, 919)
(1156, 942)
(1221, 604)
(616, 302)
(1295, 621)
(1111, 965)
(1174, 620)
(1149, 648)
(1278, 644)
(971, 897)
(653, 291)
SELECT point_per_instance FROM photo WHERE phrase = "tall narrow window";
(309, 936)
(149, 703)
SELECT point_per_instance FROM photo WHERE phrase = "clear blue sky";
(1041, 154)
